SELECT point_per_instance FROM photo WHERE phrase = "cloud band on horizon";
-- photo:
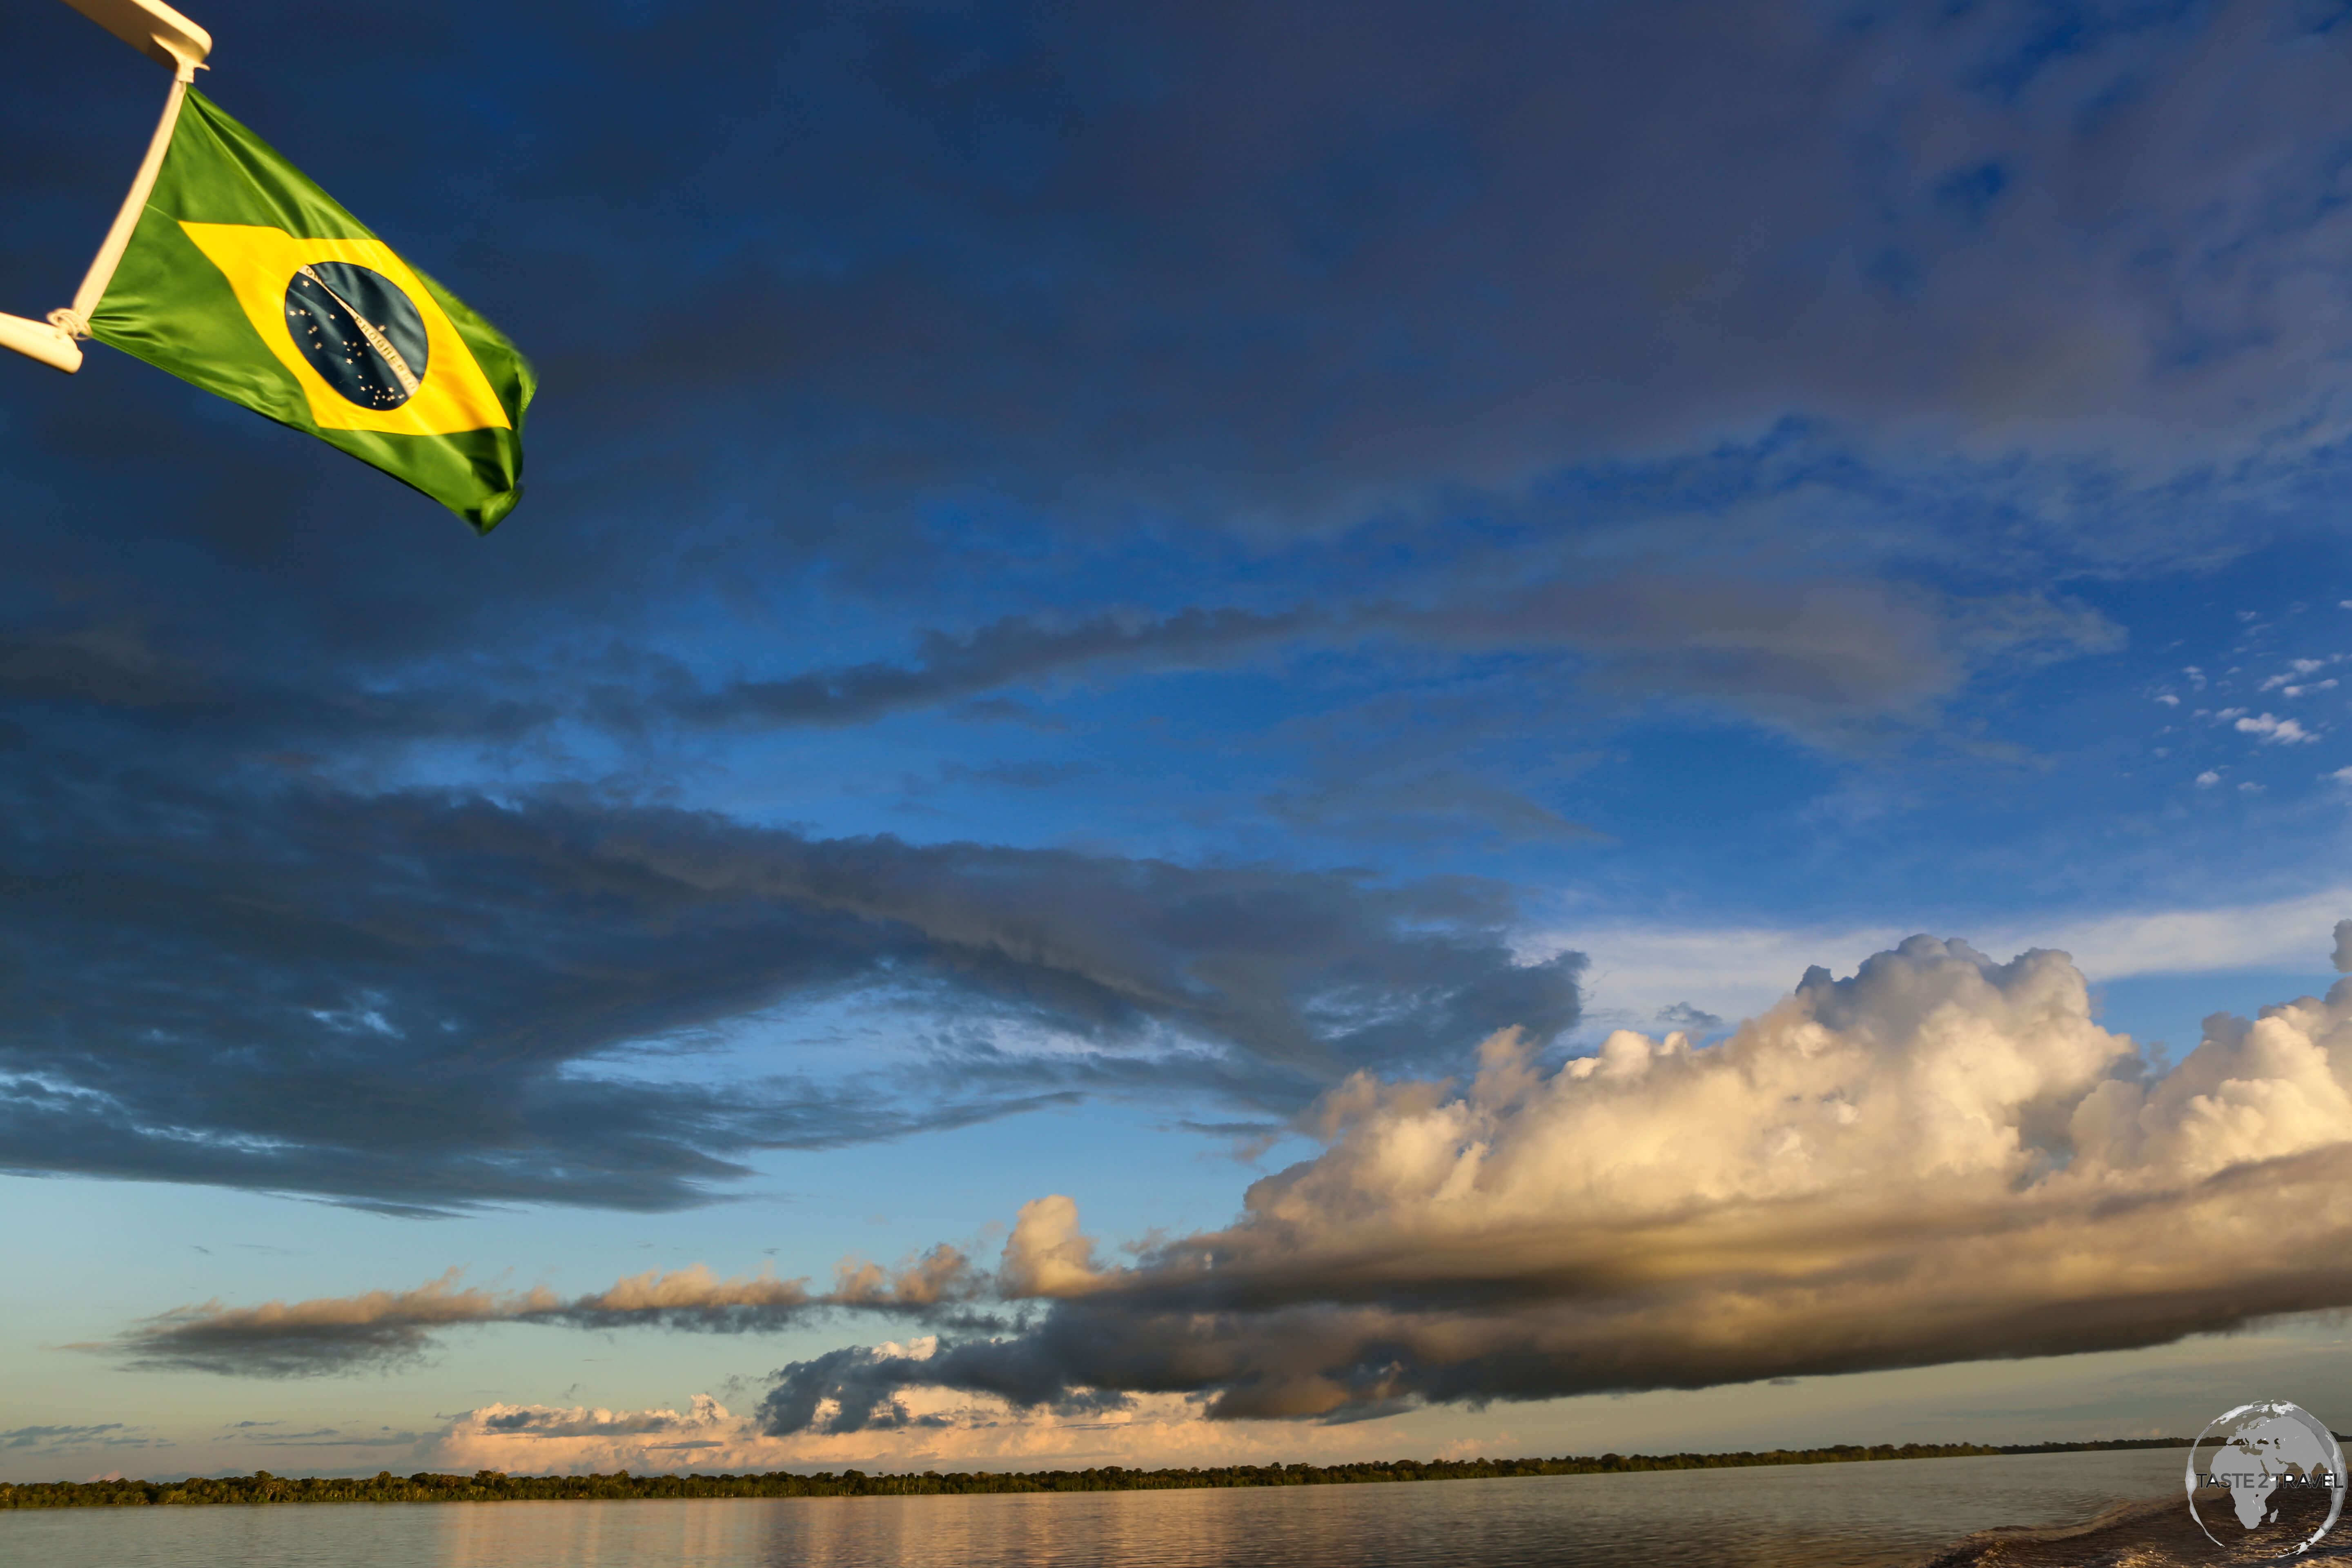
(1941, 1158)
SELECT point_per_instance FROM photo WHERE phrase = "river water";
(1877, 1515)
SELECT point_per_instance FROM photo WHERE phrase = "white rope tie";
(69, 321)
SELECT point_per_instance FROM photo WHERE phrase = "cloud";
(1690, 1020)
(1726, 972)
(383, 1328)
(1635, 969)
(1419, 803)
(1189, 261)
(2276, 731)
(1045, 1255)
(1827, 661)
(1941, 1158)
(278, 1339)
(1008, 651)
(2297, 681)
(2342, 956)
(937, 1431)
(72, 1439)
(73, 661)
(1822, 656)
(538, 1439)
(2273, 935)
(1364, 266)
(417, 999)
(858, 1389)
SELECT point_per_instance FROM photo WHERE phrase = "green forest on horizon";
(497, 1485)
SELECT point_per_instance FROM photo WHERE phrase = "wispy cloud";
(1825, 658)
(1737, 970)
(1008, 651)
(74, 1439)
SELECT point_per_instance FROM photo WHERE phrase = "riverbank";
(493, 1486)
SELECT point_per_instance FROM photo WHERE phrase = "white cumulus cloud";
(2275, 731)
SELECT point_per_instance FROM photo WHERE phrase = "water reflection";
(1823, 1516)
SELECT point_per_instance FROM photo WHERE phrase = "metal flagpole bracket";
(38, 340)
(154, 29)
(161, 34)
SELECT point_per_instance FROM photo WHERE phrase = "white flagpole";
(161, 34)
(118, 238)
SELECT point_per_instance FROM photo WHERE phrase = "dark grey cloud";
(75, 675)
(1423, 800)
(1378, 249)
(1141, 296)
(1248, 265)
(1245, 1142)
(1012, 775)
(861, 1387)
(1829, 658)
(1013, 650)
(379, 1330)
(1338, 1362)
(1692, 1019)
(73, 1439)
(1382, 248)
(333, 1437)
(82, 666)
(538, 1423)
(411, 998)
(1147, 295)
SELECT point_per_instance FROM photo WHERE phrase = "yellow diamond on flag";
(243, 277)
(265, 265)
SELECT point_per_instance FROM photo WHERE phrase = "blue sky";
(1089, 574)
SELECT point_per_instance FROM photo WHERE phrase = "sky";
(1215, 732)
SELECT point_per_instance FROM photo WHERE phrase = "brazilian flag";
(247, 279)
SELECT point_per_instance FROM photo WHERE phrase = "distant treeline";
(497, 1485)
